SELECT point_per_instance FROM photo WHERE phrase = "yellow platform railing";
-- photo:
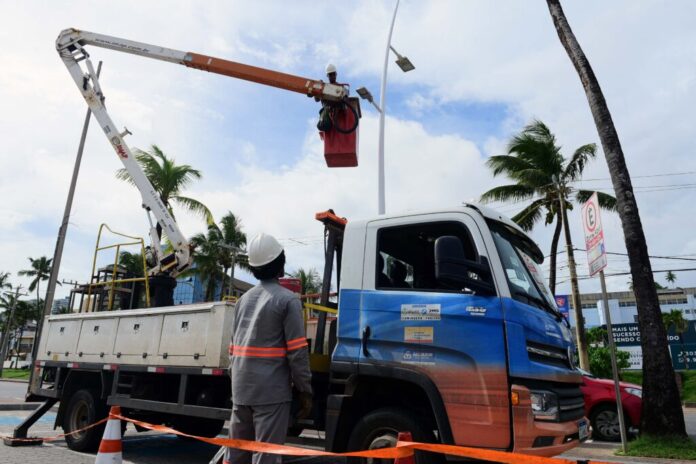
(111, 284)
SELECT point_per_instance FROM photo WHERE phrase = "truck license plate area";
(583, 430)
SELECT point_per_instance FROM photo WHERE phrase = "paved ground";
(155, 448)
(12, 392)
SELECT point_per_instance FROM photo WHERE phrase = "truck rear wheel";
(380, 428)
(84, 408)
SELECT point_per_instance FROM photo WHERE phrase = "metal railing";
(110, 284)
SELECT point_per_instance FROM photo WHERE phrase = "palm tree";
(5, 280)
(233, 241)
(541, 174)
(132, 263)
(662, 412)
(675, 319)
(207, 259)
(168, 179)
(309, 280)
(40, 270)
(671, 277)
(544, 176)
(134, 267)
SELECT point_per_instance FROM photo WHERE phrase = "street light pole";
(60, 242)
(382, 103)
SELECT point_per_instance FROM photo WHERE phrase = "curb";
(27, 381)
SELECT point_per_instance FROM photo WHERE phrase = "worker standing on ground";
(268, 356)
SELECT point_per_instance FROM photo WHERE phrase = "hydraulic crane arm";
(311, 87)
(71, 48)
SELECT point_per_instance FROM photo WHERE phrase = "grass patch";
(689, 386)
(632, 377)
(21, 374)
(661, 447)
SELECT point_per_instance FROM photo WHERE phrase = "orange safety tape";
(57, 437)
(401, 450)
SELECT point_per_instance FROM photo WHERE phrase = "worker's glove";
(305, 405)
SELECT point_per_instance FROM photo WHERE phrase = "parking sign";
(594, 236)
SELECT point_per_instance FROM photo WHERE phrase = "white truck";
(465, 347)
(444, 327)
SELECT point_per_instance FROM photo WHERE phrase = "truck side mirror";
(454, 270)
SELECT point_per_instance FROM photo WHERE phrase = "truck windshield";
(524, 276)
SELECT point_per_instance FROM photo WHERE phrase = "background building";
(624, 318)
(622, 306)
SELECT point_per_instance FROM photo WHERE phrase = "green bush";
(600, 361)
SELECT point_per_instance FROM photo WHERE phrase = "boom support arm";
(71, 48)
(310, 87)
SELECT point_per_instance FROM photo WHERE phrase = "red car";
(600, 406)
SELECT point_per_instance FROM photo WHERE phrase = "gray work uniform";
(268, 355)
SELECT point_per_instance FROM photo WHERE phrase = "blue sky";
(483, 70)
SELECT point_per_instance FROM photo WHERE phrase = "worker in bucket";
(268, 356)
(325, 123)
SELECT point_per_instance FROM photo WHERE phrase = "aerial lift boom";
(71, 45)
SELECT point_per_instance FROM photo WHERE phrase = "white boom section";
(70, 45)
(72, 53)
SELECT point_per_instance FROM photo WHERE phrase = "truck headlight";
(544, 405)
(634, 391)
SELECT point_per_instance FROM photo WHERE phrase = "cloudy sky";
(483, 70)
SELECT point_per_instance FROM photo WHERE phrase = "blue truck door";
(453, 338)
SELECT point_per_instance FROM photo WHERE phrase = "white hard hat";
(263, 249)
(330, 68)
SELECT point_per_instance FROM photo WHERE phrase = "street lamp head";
(405, 64)
(365, 94)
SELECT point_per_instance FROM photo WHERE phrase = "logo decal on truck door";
(418, 334)
(420, 312)
(476, 310)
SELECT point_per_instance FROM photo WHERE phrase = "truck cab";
(446, 328)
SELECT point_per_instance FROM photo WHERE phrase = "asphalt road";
(12, 392)
(138, 448)
(156, 448)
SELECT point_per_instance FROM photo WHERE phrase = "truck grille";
(547, 354)
(570, 398)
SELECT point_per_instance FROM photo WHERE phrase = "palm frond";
(196, 207)
(507, 193)
(507, 164)
(576, 165)
(605, 200)
(529, 216)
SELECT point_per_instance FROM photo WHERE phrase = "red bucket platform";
(341, 150)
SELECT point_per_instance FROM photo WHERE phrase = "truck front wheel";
(84, 408)
(380, 428)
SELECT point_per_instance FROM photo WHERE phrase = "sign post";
(597, 261)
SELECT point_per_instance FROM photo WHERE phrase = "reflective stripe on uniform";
(257, 352)
(297, 343)
(271, 352)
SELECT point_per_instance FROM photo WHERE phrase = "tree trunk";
(661, 413)
(554, 251)
(575, 292)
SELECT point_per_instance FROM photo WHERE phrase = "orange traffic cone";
(405, 436)
(110, 447)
